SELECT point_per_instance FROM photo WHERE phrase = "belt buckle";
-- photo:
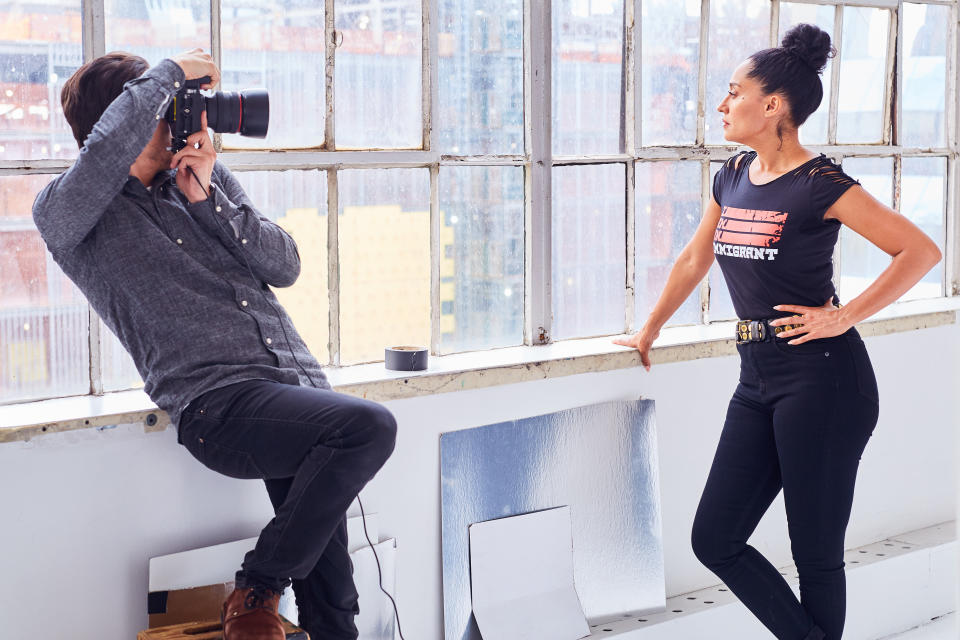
(750, 331)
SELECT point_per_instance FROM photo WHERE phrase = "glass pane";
(156, 30)
(481, 257)
(587, 76)
(378, 76)
(721, 304)
(280, 48)
(667, 213)
(44, 343)
(814, 130)
(670, 53)
(589, 254)
(860, 261)
(924, 74)
(863, 64)
(481, 77)
(40, 50)
(384, 261)
(738, 28)
(117, 366)
(923, 191)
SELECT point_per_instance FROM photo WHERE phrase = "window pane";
(670, 55)
(481, 77)
(589, 254)
(738, 28)
(481, 257)
(280, 48)
(923, 200)
(924, 74)
(40, 50)
(378, 75)
(667, 214)
(587, 76)
(44, 348)
(814, 130)
(860, 261)
(156, 30)
(721, 304)
(117, 366)
(863, 64)
(384, 261)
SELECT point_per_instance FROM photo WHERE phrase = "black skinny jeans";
(315, 449)
(799, 420)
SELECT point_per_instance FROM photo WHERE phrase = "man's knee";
(382, 427)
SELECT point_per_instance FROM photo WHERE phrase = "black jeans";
(799, 420)
(315, 449)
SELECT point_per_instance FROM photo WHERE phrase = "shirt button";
(176, 84)
(244, 241)
(269, 341)
(243, 303)
(219, 209)
(158, 116)
(179, 241)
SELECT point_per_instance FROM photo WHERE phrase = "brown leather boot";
(251, 614)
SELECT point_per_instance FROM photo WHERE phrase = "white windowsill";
(474, 370)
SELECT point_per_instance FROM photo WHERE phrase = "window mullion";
(705, 195)
(537, 46)
(774, 23)
(333, 264)
(93, 36)
(330, 37)
(702, 72)
(429, 71)
(93, 30)
(892, 85)
(835, 76)
(952, 117)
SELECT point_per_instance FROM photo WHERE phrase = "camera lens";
(246, 112)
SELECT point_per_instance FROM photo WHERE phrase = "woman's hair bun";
(810, 44)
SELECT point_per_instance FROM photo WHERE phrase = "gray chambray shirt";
(169, 277)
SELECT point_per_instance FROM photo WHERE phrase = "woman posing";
(807, 399)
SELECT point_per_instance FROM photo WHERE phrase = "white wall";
(81, 513)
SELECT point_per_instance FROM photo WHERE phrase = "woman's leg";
(743, 481)
(821, 434)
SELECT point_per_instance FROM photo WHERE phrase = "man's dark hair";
(91, 89)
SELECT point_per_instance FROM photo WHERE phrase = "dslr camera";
(244, 112)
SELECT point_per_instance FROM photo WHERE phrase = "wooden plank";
(208, 630)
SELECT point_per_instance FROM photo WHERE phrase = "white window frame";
(538, 160)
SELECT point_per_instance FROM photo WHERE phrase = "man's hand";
(197, 64)
(815, 322)
(198, 157)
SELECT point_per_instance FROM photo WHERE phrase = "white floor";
(942, 628)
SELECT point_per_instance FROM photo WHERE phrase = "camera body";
(245, 112)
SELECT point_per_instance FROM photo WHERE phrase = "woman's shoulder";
(822, 169)
(739, 161)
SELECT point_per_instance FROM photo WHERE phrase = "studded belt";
(760, 330)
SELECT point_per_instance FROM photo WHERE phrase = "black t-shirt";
(772, 243)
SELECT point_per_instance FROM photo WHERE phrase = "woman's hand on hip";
(641, 341)
(815, 322)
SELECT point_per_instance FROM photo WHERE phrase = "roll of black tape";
(405, 358)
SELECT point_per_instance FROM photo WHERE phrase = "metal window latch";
(542, 335)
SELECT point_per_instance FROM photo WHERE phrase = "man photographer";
(176, 260)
